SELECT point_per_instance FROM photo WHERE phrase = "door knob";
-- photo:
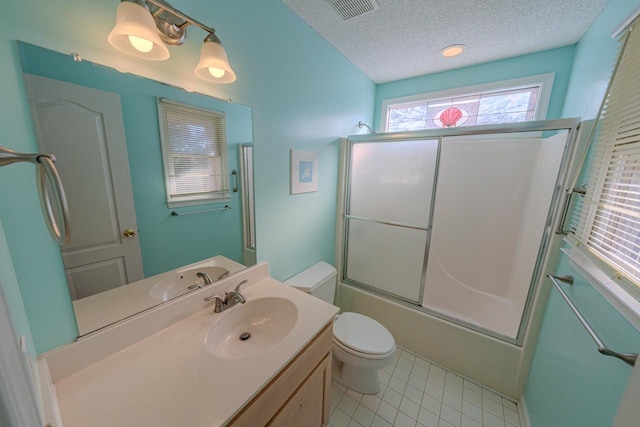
(129, 233)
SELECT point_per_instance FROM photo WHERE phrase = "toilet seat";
(362, 336)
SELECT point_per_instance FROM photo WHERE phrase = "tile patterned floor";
(417, 393)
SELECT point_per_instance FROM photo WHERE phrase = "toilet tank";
(318, 280)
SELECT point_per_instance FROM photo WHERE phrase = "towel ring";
(54, 207)
(55, 210)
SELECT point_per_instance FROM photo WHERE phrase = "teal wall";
(304, 95)
(570, 384)
(166, 242)
(13, 298)
(558, 61)
(34, 255)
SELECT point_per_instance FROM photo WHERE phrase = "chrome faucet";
(234, 296)
(220, 304)
(205, 278)
(231, 298)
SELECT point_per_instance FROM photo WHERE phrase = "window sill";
(623, 301)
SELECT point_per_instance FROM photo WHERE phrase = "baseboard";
(523, 411)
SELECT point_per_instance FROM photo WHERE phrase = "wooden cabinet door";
(299, 391)
(309, 405)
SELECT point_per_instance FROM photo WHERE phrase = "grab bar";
(628, 358)
(226, 208)
(48, 177)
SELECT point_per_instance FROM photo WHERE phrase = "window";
(510, 101)
(194, 151)
(608, 220)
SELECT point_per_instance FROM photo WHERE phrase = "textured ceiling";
(403, 38)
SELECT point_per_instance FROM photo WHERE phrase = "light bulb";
(453, 50)
(143, 45)
(216, 72)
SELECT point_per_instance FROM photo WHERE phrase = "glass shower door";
(456, 223)
(491, 213)
(387, 217)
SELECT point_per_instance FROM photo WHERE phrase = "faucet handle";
(220, 305)
(237, 289)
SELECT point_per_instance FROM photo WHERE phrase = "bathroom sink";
(246, 330)
(181, 282)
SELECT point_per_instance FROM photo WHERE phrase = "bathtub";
(494, 363)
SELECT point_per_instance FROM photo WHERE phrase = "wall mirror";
(103, 127)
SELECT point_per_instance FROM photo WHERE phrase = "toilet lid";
(362, 334)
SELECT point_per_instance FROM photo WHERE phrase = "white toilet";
(361, 346)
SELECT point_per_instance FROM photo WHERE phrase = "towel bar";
(628, 358)
(226, 208)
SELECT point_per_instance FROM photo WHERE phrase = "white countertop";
(169, 378)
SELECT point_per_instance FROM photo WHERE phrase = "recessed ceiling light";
(453, 50)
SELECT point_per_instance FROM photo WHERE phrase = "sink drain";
(245, 336)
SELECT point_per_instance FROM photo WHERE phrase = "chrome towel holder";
(225, 208)
(55, 209)
(628, 358)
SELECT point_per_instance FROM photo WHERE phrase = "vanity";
(264, 362)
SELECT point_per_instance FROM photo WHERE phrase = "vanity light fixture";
(144, 28)
(453, 50)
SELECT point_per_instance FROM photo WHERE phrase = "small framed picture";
(304, 171)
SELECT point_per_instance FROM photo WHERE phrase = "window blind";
(607, 218)
(194, 152)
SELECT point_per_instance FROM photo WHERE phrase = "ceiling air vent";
(349, 9)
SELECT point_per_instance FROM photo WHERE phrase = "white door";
(83, 128)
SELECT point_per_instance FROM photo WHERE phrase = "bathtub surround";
(498, 205)
(488, 242)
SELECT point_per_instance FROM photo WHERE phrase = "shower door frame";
(554, 212)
